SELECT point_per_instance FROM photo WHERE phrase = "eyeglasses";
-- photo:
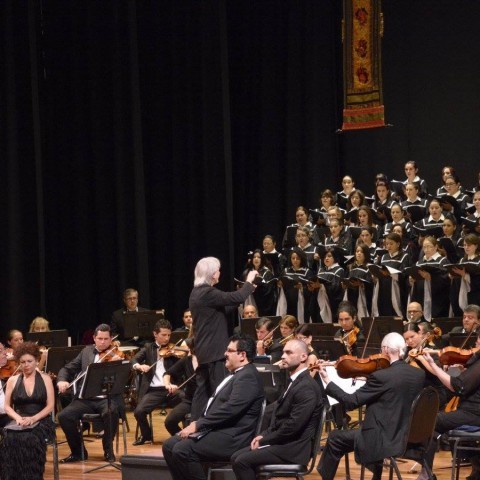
(231, 350)
(414, 311)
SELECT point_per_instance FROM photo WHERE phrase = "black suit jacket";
(148, 355)
(234, 412)
(209, 307)
(295, 417)
(388, 396)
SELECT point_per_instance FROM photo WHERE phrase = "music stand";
(247, 325)
(175, 337)
(141, 324)
(54, 338)
(381, 326)
(105, 378)
(332, 349)
(58, 357)
(458, 339)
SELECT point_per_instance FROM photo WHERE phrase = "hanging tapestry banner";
(362, 64)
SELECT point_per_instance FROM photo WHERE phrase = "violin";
(110, 354)
(8, 370)
(171, 350)
(455, 355)
(349, 366)
(350, 338)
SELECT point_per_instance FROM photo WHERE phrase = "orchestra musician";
(40, 324)
(388, 395)
(153, 361)
(467, 387)
(183, 373)
(263, 328)
(14, 339)
(130, 302)
(4, 418)
(416, 342)
(187, 322)
(101, 350)
(350, 332)
(287, 326)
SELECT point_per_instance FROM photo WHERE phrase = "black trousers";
(154, 398)
(70, 416)
(448, 421)
(177, 415)
(245, 461)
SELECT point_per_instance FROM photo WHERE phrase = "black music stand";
(54, 338)
(381, 327)
(247, 325)
(58, 357)
(329, 349)
(141, 324)
(105, 378)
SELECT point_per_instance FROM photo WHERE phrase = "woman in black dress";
(29, 401)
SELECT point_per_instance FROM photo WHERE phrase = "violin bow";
(184, 383)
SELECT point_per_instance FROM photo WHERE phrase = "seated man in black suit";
(229, 420)
(388, 395)
(152, 392)
(130, 300)
(295, 417)
(69, 416)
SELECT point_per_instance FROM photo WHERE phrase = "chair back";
(317, 438)
(423, 416)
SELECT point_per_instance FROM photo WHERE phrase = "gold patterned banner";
(362, 65)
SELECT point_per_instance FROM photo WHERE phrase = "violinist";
(101, 350)
(304, 334)
(264, 327)
(287, 326)
(467, 387)
(350, 332)
(4, 418)
(183, 373)
(152, 361)
(416, 342)
(470, 323)
(40, 324)
(388, 395)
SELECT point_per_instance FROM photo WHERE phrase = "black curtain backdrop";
(138, 136)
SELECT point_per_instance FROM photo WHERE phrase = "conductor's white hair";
(204, 271)
(394, 341)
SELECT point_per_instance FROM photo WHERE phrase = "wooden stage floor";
(76, 471)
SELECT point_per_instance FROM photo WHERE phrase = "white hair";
(204, 271)
(395, 341)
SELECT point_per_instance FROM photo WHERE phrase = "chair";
(225, 468)
(294, 470)
(423, 415)
(464, 438)
(53, 443)
(90, 417)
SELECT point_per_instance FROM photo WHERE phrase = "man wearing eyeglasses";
(388, 395)
(229, 420)
(415, 313)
